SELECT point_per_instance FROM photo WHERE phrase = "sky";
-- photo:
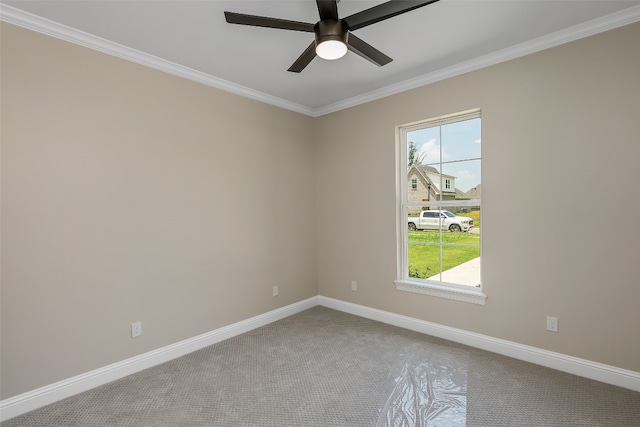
(459, 143)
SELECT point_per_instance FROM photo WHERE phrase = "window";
(414, 184)
(439, 232)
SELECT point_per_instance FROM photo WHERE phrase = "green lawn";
(424, 251)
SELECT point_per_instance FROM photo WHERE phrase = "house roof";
(426, 168)
(474, 193)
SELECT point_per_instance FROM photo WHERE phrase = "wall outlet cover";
(136, 329)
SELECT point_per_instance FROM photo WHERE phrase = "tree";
(413, 159)
(412, 153)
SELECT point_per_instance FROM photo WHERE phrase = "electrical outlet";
(552, 324)
(136, 329)
(354, 285)
(276, 292)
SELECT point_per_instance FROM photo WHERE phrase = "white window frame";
(403, 282)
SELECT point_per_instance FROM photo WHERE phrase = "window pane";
(458, 258)
(424, 253)
(426, 146)
(466, 178)
(461, 264)
(423, 151)
(461, 140)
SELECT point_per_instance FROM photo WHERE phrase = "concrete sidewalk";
(464, 274)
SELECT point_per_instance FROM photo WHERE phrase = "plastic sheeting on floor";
(428, 388)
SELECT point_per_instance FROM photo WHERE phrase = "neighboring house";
(474, 193)
(425, 184)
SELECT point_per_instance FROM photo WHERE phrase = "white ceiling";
(192, 39)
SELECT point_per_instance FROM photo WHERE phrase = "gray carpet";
(326, 368)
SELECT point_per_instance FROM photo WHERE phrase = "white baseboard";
(40, 397)
(573, 365)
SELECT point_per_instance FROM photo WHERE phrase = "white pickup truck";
(439, 220)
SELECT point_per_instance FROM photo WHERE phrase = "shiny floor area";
(326, 368)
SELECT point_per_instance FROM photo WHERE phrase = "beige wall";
(129, 194)
(554, 123)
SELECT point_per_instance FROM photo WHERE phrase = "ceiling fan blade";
(304, 59)
(264, 21)
(367, 51)
(328, 9)
(383, 11)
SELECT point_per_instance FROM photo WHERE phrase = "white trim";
(40, 397)
(442, 289)
(447, 290)
(573, 365)
(54, 29)
(33, 22)
(595, 26)
(29, 401)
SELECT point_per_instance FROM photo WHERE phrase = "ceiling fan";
(333, 36)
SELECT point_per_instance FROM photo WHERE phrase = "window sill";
(449, 291)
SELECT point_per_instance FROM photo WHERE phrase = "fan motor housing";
(330, 29)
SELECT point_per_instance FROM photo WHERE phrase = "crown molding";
(45, 26)
(599, 25)
(33, 22)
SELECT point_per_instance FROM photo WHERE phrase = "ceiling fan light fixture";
(331, 49)
(331, 39)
